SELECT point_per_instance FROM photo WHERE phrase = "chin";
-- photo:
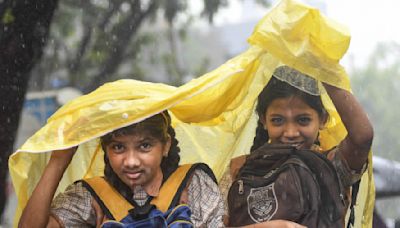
(132, 184)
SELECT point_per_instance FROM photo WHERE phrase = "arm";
(356, 145)
(37, 210)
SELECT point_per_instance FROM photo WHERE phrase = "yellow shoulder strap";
(170, 188)
(118, 206)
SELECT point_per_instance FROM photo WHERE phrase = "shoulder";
(75, 190)
(204, 199)
(73, 207)
(203, 171)
(202, 177)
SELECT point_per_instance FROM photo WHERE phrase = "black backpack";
(281, 182)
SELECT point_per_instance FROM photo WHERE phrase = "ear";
(167, 146)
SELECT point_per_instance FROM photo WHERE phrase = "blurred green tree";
(93, 42)
(377, 86)
(24, 27)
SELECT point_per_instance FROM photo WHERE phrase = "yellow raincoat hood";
(213, 115)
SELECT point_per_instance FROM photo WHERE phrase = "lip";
(133, 175)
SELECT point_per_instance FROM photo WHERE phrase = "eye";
(304, 120)
(146, 146)
(117, 147)
(276, 120)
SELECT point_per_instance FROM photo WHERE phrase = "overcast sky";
(369, 21)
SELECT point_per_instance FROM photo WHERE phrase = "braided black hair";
(261, 136)
(279, 89)
(170, 163)
(159, 127)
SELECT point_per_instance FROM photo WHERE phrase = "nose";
(132, 159)
(291, 131)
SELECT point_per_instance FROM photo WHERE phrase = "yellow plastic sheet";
(213, 115)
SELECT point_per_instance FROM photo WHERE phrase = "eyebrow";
(299, 115)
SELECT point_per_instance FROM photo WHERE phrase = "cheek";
(114, 160)
(313, 132)
(152, 161)
(273, 131)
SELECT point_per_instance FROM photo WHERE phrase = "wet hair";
(157, 126)
(276, 89)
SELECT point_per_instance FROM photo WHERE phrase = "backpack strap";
(186, 179)
(113, 204)
(320, 165)
(173, 186)
(116, 207)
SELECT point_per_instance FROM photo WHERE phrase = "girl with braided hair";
(139, 160)
(290, 112)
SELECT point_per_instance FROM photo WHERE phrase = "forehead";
(290, 105)
(133, 136)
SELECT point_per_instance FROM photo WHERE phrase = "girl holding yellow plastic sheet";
(141, 161)
(291, 112)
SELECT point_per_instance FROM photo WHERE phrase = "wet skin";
(291, 121)
(136, 159)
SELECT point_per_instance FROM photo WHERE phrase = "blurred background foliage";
(95, 41)
(377, 86)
